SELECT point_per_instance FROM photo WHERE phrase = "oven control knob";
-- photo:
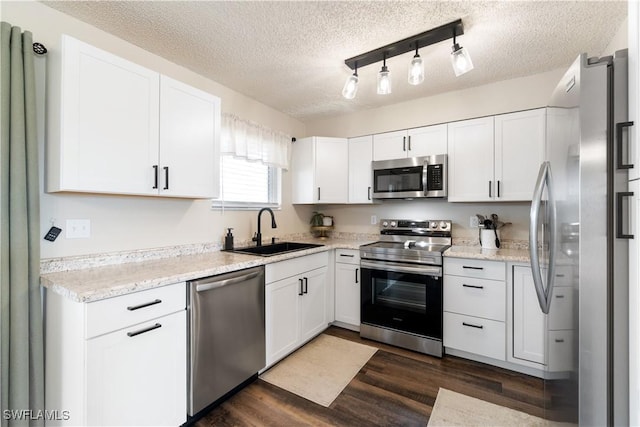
(433, 225)
(444, 225)
(393, 223)
(385, 224)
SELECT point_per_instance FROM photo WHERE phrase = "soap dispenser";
(228, 240)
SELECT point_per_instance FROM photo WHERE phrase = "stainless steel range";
(401, 291)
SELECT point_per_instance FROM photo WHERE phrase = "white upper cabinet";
(427, 141)
(108, 124)
(189, 128)
(423, 141)
(496, 158)
(519, 151)
(360, 175)
(106, 134)
(320, 170)
(470, 149)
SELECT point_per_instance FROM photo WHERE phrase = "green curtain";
(21, 356)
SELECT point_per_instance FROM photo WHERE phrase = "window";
(247, 184)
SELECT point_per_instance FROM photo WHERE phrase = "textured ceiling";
(290, 55)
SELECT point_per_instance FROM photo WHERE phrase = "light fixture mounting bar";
(427, 38)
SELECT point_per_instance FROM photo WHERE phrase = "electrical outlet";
(473, 221)
(374, 220)
(78, 229)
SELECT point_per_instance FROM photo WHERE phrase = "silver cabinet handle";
(318, 193)
(472, 268)
(544, 295)
(220, 283)
(409, 142)
(404, 143)
(347, 255)
(464, 285)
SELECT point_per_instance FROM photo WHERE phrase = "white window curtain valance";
(248, 140)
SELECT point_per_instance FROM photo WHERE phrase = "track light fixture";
(384, 79)
(351, 85)
(459, 57)
(416, 69)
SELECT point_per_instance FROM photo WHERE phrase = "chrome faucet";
(258, 236)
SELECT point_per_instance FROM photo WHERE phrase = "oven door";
(405, 297)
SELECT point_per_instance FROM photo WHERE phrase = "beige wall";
(124, 223)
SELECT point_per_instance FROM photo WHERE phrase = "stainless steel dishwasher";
(226, 334)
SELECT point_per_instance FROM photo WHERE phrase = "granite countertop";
(476, 252)
(100, 282)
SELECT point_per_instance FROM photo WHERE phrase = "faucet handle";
(255, 237)
(273, 240)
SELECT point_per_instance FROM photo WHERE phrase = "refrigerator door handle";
(544, 296)
(619, 127)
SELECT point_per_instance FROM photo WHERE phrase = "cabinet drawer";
(475, 297)
(348, 256)
(561, 311)
(283, 269)
(560, 345)
(116, 313)
(481, 269)
(475, 335)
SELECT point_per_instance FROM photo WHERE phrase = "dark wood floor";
(395, 388)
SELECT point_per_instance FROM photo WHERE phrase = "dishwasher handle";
(202, 286)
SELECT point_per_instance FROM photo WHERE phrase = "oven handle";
(425, 270)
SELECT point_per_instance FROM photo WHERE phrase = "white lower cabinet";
(295, 303)
(475, 335)
(136, 376)
(118, 361)
(348, 287)
(539, 340)
(474, 297)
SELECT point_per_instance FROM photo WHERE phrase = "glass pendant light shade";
(460, 60)
(416, 71)
(351, 86)
(384, 81)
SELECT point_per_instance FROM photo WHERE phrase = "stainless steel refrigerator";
(578, 227)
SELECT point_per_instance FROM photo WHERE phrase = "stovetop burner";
(421, 242)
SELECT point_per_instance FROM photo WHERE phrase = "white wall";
(494, 98)
(124, 223)
(619, 40)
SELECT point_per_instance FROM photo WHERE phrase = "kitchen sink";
(276, 248)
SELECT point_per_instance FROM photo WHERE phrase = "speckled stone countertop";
(476, 252)
(105, 281)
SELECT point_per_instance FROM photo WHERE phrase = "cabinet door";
(348, 293)
(332, 170)
(108, 124)
(189, 133)
(303, 163)
(390, 145)
(281, 317)
(470, 149)
(360, 174)
(529, 323)
(313, 301)
(139, 378)
(519, 150)
(426, 141)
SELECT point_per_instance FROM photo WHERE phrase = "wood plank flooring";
(396, 387)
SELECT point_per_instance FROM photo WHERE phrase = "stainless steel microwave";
(413, 177)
